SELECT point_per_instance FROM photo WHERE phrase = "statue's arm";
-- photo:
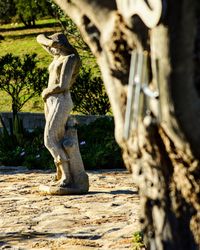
(50, 91)
(65, 77)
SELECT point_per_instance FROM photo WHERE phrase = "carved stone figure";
(60, 140)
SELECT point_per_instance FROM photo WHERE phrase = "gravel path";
(105, 218)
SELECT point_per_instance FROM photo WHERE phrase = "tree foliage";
(70, 29)
(98, 153)
(7, 10)
(21, 79)
(29, 10)
(89, 95)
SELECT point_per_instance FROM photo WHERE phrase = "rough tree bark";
(163, 156)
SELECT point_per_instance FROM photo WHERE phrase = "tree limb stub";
(149, 13)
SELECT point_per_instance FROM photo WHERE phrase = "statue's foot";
(68, 187)
(66, 183)
(57, 190)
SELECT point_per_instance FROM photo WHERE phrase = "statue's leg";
(58, 175)
(63, 172)
(54, 134)
(58, 170)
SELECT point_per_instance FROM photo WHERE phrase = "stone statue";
(60, 140)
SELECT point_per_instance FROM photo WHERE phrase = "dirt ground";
(105, 218)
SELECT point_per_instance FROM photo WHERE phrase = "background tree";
(21, 79)
(164, 156)
(7, 10)
(69, 28)
(29, 10)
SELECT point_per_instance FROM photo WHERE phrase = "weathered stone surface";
(105, 218)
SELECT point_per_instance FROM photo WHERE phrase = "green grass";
(34, 105)
(5, 102)
(19, 41)
(23, 46)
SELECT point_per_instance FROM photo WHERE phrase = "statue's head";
(55, 44)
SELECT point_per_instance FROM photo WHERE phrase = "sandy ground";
(105, 218)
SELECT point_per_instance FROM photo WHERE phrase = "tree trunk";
(163, 154)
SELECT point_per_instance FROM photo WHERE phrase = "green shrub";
(7, 11)
(98, 146)
(36, 156)
(29, 151)
(21, 79)
(11, 141)
(89, 95)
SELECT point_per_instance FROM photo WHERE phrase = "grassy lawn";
(19, 40)
(34, 105)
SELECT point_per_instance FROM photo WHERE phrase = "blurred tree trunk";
(163, 156)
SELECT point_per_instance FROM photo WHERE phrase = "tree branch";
(90, 8)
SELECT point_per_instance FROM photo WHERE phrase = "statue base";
(57, 190)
